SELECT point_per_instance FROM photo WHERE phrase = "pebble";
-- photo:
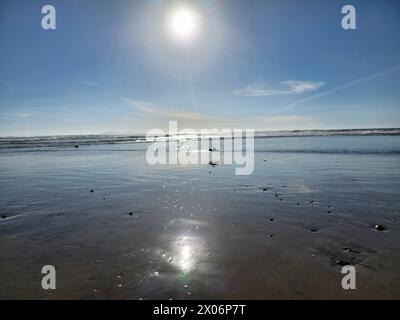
(379, 227)
(350, 250)
(343, 263)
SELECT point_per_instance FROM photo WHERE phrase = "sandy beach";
(116, 228)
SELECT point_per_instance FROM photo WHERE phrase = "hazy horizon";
(198, 132)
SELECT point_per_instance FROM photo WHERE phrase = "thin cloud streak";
(164, 112)
(341, 87)
(23, 115)
(197, 120)
(90, 83)
(287, 87)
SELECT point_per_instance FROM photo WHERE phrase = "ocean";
(114, 226)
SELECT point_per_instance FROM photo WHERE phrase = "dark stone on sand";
(313, 230)
(59, 214)
(329, 211)
(130, 213)
(264, 189)
(92, 190)
(271, 219)
(297, 204)
(379, 227)
(3, 216)
(350, 250)
(343, 263)
(213, 164)
(270, 235)
(76, 146)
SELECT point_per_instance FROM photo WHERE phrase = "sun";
(184, 24)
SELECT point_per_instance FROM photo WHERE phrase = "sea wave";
(82, 140)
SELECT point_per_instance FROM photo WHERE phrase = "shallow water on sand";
(196, 231)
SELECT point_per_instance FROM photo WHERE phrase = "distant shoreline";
(82, 140)
(265, 133)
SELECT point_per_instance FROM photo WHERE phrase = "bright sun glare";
(184, 24)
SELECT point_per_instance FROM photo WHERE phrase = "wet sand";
(198, 232)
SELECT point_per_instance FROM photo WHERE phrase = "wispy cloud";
(284, 88)
(164, 112)
(90, 83)
(23, 115)
(198, 120)
(343, 86)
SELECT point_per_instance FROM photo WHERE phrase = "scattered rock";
(350, 250)
(92, 190)
(379, 227)
(264, 189)
(3, 216)
(313, 230)
(271, 219)
(130, 213)
(270, 235)
(343, 263)
(213, 164)
(76, 146)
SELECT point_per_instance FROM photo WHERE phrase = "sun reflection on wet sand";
(186, 251)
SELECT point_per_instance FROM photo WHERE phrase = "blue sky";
(112, 66)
